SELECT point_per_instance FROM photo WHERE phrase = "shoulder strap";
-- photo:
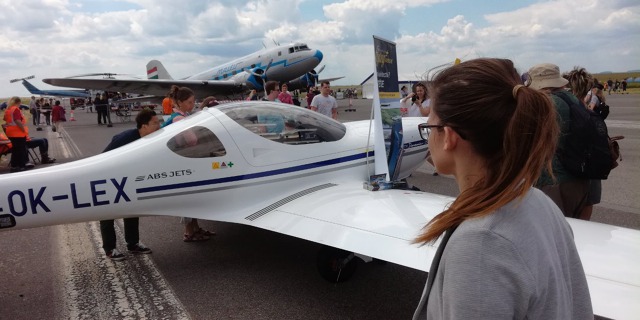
(435, 263)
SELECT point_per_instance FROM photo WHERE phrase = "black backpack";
(602, 109)
(585, 153)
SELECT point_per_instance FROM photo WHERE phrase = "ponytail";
(179, 94)
(513, 127)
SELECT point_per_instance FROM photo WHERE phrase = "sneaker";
(138, 248)
(29, 165)
(115, 255)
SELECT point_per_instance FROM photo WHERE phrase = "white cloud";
(57, 38)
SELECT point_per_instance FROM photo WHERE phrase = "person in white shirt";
(419, 106)
(325, 103)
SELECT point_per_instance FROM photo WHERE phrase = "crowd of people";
(616, 86)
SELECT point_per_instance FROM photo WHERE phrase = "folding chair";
(33, 155)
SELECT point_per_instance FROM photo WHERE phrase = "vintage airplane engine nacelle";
(252, 81)
(308, 79)
(256, 78)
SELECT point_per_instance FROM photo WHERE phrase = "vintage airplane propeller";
(313, 76)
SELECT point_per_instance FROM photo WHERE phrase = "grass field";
(603, 77)
(616, 75)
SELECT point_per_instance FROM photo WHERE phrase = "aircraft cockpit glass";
(299, 47)
(284, 124)
(197, 142)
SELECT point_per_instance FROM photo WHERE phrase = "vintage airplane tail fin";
(32, 89)
(155, 70)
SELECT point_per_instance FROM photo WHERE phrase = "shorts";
(595, 192)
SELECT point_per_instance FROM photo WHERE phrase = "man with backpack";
(567, 190)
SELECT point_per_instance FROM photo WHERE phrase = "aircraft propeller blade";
(312, 76)
(21, 79)
(268, 66)
(262, 75)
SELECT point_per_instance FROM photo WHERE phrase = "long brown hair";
(512, 127)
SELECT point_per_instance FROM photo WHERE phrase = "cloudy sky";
(59, 38)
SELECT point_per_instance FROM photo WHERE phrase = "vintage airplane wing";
(146, 98)
(201, 88)
(330, 79)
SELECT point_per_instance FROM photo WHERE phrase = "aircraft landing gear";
(336, 265)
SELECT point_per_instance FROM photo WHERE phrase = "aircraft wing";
(330, 79)
(382, 225)
(346, 216)
(146, 98)
(201, 88)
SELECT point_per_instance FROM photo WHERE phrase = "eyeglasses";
(425, 129)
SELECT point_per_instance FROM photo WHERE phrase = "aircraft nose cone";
(318, 55)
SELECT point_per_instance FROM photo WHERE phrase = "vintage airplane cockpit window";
(301, 47)
(197, 142)
(283, 123)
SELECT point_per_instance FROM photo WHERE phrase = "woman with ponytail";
(506, 251)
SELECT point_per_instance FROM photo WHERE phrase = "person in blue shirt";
(146, 122)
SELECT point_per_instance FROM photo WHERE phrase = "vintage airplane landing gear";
(336, 265)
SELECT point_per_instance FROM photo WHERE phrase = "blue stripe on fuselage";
(253, 175)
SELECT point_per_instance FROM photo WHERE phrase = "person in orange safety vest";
(14, 128)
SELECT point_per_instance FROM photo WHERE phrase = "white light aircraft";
(301, 175)
(292, 63)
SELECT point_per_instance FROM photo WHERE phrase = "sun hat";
(546, 75)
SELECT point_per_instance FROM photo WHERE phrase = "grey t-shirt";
(324, 104)
(518, 263)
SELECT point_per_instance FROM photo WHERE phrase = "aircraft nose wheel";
(336, 265)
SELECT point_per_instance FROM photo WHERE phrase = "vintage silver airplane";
(292, 63)
(301, 175)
